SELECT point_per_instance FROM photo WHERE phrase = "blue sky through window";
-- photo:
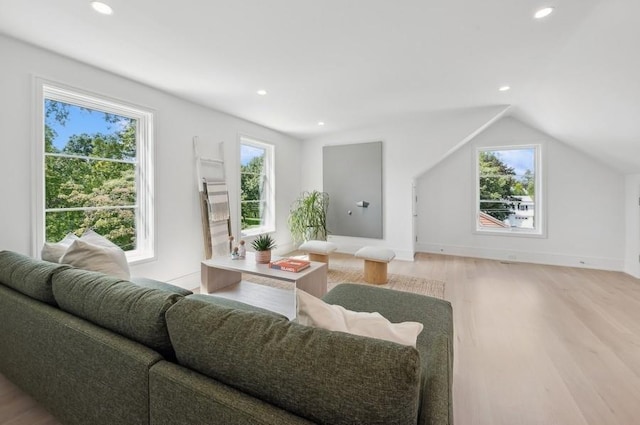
(520, 160)
(79, 121)
(247, 153)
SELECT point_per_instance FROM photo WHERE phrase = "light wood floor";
(533, 344)
(17, 408)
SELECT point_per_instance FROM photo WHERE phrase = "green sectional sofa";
(94, 349)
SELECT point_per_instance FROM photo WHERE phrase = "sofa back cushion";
(29, 276)
(327, 377)
(118, 305)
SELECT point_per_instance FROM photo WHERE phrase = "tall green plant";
(308, 216)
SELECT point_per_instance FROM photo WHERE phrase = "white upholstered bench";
(318, 250)
(375, 263)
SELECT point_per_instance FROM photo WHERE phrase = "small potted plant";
(263, 245)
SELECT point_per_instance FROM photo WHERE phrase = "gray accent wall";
(352, 176)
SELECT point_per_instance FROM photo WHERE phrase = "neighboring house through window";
(95, 155)
(257, 184)
(509, 193)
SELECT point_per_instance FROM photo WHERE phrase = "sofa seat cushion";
(117, 305)
(327, 377)
(29, 276)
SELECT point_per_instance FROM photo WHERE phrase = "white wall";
(584, 206)
(632, 231)
(410, 146)
(179, 246)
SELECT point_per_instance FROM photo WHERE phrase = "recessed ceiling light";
(546, 11)
(100, 7)
(320, 122)
(262, 92)
(505, 88)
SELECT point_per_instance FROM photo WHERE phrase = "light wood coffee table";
(222, 277)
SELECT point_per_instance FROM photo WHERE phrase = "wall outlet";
(511, 257)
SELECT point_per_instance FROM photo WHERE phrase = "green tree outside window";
(90, 178)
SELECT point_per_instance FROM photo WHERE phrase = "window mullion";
(90, 158)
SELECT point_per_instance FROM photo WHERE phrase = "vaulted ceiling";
(574, 74)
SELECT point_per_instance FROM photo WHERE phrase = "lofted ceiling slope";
(574, 74)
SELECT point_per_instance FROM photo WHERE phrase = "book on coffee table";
(289, 264)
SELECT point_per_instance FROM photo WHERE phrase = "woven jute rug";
(339, 274)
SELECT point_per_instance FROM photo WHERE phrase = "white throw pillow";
(313, 311)
(110, 260)
(53, 251)
(97, 239)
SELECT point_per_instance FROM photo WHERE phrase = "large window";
(509, 192)
(96, 162)
(257, 212)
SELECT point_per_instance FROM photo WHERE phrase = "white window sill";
(249, 233)
(519, 233)
(138, 257)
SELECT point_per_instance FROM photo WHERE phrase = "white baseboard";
(631, 268)
(613, 264)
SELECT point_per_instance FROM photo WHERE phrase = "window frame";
(145, 228)
(269, 166)
(540, 228)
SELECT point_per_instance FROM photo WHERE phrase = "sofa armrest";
(435, 342)
(396, 306)
(436, 396)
